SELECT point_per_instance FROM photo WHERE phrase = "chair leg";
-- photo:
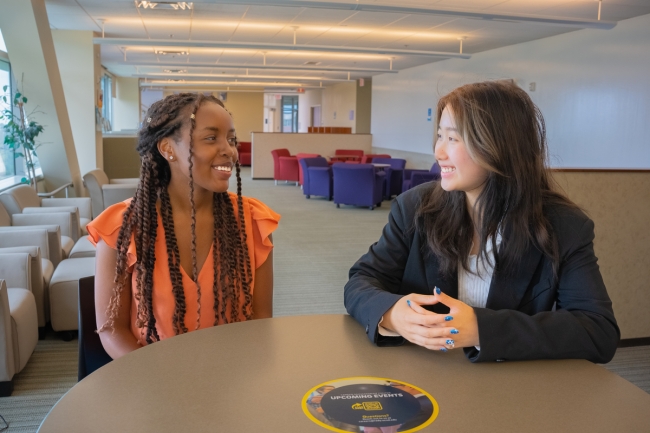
(276, 182)
(371, 207)
(308, 196)
(338, 205)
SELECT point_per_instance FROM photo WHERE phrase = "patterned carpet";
(316, 244)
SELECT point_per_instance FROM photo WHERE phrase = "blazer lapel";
(506, 291)
(449, 285)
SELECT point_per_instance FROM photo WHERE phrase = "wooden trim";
(633, 342)
(602, 170)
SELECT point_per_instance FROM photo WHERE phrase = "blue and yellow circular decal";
(373, 403)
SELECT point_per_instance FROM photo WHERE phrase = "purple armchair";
(317, 177)
(393, 184)
(358, 185)
(412, 178)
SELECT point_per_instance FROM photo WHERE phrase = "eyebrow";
(450, 129)
(215, 129)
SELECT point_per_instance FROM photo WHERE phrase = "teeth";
(447, 169)
(222, 168)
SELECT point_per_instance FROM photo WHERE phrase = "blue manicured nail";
(450, 341)
(438, 291)
(444, 349)
(408, 302)
(454, 331)
(448, 318)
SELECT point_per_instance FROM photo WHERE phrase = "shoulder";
(571, 225)
(107, 224)
(409, 201)
(258, 210)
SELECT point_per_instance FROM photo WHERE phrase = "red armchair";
(285, 166)
(346, 155)
(367, 158)
(244, 153)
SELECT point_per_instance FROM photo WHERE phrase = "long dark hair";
(504, 132)
(231, 262)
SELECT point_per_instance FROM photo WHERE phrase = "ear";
(166, 150)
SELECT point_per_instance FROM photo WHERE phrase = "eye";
(232, 141)
(211, 138)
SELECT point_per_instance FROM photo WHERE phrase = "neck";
(179, 195)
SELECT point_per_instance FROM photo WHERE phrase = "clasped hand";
(458, 328)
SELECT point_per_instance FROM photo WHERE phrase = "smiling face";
(459, 172)
(214, 149)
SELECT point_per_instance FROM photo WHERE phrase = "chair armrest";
(125, 181)
(15, 269)
(408, 172)
(7, 367)
(56, 191)
(64, 220)
(113, 194)
(37, 239)
(81, 203)
(53, 254)
(424, 177)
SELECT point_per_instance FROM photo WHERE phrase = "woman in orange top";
(153, 273)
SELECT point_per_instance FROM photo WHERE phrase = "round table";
(252, 376)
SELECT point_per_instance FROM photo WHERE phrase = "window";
(7, 163)
(106, 99)
(289, 114)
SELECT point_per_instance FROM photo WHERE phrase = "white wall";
(126, 104)
(310, 98)
(338, 101)
(592, 86)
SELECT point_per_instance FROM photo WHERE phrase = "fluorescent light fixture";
(165, 5)
(175, 71)
(171, 53)
(261, 46)
(212, 65)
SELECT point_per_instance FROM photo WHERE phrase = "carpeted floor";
(315, 246)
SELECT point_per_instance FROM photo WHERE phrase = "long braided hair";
(231, 262)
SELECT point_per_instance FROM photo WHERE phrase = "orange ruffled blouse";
(260, 222)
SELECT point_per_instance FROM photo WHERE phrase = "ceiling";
(250, 44)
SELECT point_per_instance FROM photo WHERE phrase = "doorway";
(315, 116)
(289, 114)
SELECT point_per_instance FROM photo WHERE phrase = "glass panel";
(7, 167)
(3, 47)
(289, 114)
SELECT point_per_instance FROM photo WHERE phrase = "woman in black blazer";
(539, 296)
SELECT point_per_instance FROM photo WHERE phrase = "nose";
(439, 150)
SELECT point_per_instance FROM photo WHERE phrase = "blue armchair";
(317, 177)
(358, 185)
(412, 178)
(393, 183)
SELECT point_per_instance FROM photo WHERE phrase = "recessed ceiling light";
(165, 5)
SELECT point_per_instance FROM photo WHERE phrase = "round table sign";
(373, 403)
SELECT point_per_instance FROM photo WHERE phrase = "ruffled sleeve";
(107, 228)
(265, 221)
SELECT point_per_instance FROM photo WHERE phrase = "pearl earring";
(171, 158)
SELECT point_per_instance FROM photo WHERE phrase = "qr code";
(372, 405)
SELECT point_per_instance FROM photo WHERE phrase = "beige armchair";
(104, 192)
(18, 322)
(59, 245)
(22, 199)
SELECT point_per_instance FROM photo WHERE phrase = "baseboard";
(632, 342)
(6, 388)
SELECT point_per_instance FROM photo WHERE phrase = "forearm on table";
(563, 334)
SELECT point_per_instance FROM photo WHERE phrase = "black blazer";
(527, 316)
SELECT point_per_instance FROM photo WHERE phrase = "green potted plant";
(21, 133)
